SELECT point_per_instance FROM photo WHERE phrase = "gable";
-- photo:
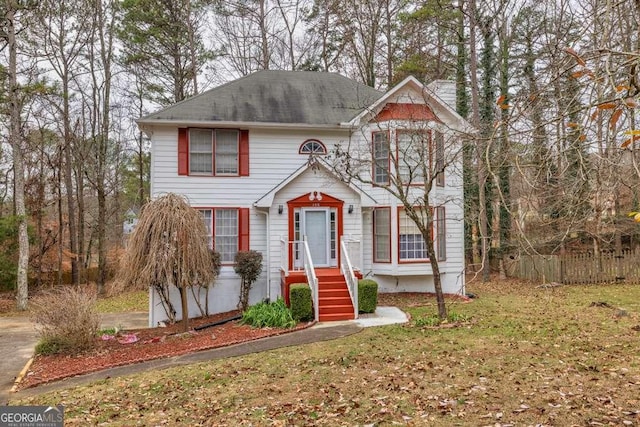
(405, 111)
(411, 100)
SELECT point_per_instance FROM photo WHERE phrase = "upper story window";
(380, 151)
(413, 156)
(312, 146)
(213, 152)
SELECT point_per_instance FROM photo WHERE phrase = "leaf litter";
(533, 356)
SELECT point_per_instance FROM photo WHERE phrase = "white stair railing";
(310, 272)
(284, 256)
(347, 271)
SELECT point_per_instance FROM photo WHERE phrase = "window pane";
(439, 169)
(226, 241)
(312, 147)
(411, 244)
(227, 152)
(381, 230)
(441, 241)
(413, 156)
(207, 216)
(332, 220)
(200, 151)
(380, 158)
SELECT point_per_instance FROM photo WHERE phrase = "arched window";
(312, 146)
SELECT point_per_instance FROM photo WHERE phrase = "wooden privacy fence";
(584, 268)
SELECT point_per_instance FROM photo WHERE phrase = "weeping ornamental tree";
(168, 248)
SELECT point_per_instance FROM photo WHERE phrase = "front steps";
(334, 301)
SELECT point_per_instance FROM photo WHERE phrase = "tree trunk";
(185, 309)
(71, 205)
(475, 120)
(22, 285)
(264, 36)
(427, 233)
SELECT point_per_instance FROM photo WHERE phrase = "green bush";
(248, 265)
(300, 302)
(51, 345)
(367, 296)
(269, 315)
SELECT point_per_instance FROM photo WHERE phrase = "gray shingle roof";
(301, 97)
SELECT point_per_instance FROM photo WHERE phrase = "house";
(130, 221)
(253, 156)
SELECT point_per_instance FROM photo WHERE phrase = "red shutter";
(244, 153)
(183, 151)
(243, 229)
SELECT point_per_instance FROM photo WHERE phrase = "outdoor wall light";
(350, 210)
(280, 209)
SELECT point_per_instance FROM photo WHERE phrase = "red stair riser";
(336, 309)
(336, 317)
(327, 286)
(334, 293)
(328, 301)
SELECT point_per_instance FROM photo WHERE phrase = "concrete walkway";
(25, 334)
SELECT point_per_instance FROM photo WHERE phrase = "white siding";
(273, 159)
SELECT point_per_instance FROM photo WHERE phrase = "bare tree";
(59, 38)
(168, 248)
(419, 154)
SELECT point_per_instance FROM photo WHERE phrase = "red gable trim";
(397, 111)
(316, 198)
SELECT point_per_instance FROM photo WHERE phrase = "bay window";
(411, 244)
(382, 235)
(380, 150)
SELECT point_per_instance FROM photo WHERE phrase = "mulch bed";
(151, 344)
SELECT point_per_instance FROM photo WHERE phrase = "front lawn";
(559, 356)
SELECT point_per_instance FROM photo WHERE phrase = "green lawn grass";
(528, 356)
(125, 302)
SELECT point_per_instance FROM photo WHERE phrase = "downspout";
(268, 254)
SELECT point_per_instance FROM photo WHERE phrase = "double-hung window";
(226, 155)
(413, 156)
(201, 151)
(213, 152)
(380, 148)
(382, 235)
(227, 230)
